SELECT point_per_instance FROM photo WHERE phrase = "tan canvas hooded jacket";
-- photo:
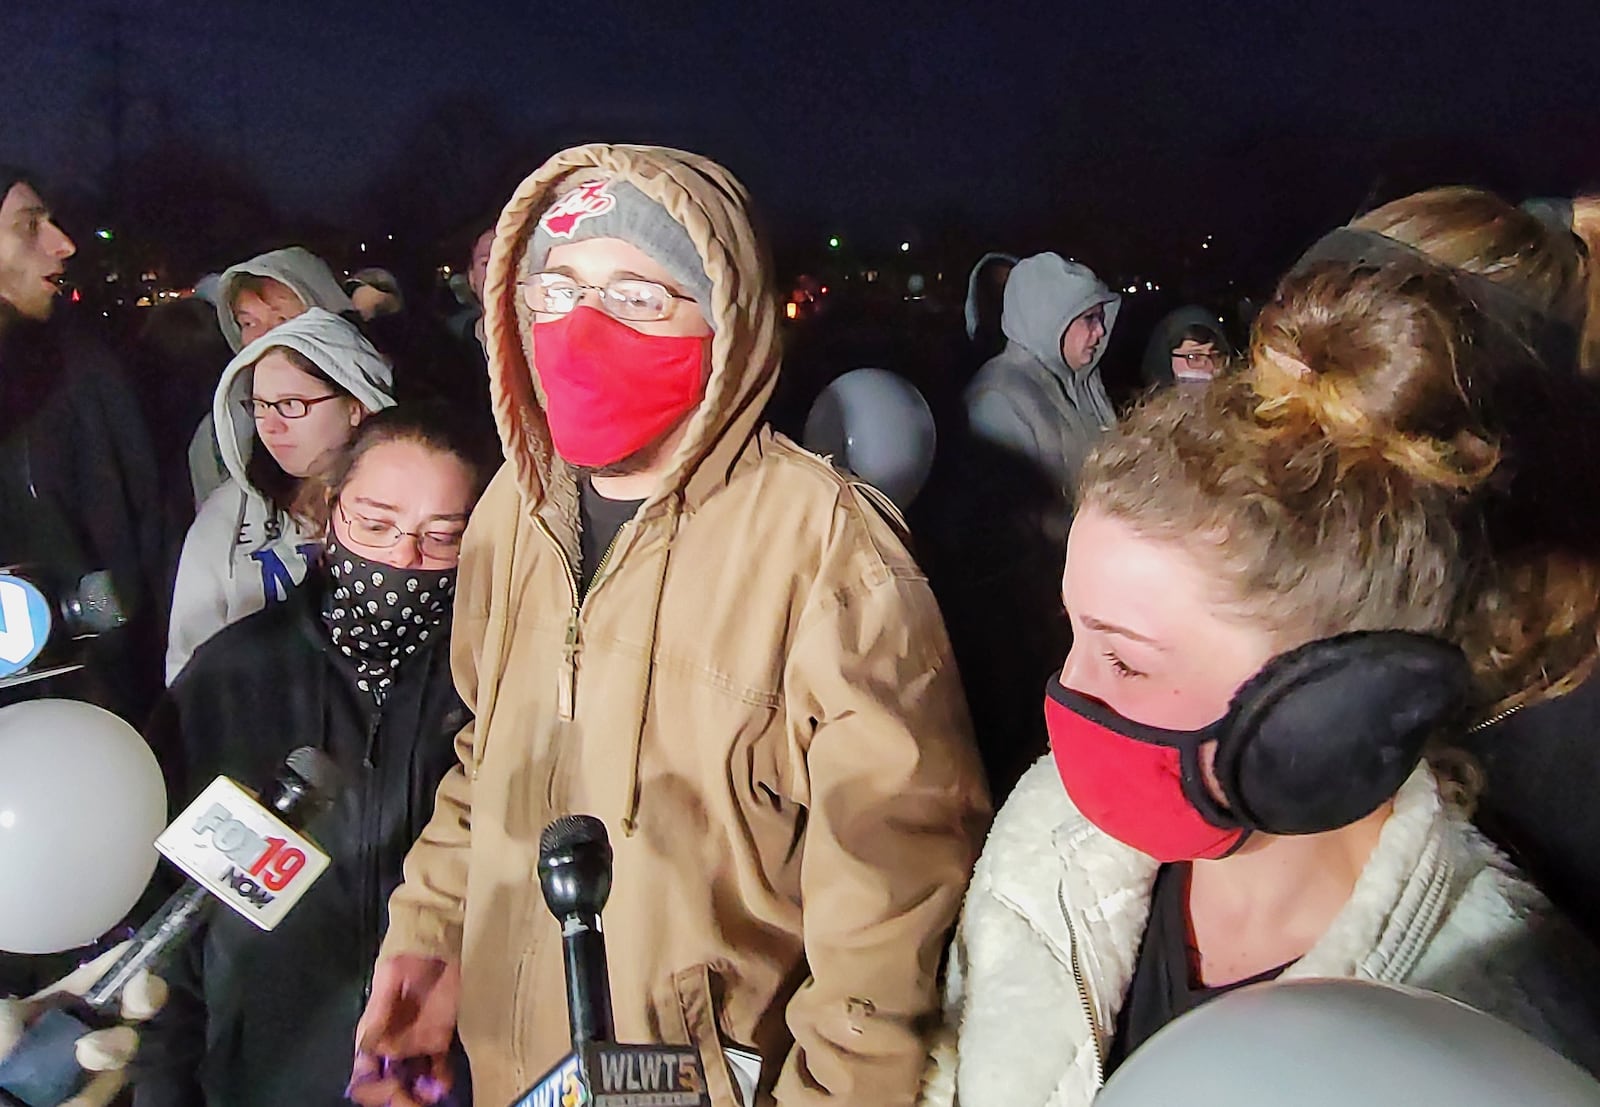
(757, 696)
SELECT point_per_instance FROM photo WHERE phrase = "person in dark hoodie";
(1532, 627)
(77, 473)
(357, 663)
(1188, 347)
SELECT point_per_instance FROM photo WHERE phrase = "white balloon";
(1334, 1043)
(878, 426)
(81, 804)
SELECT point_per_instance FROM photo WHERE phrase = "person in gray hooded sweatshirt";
(1033, 413)
(1041, 398)
(285, 403)
(251, 298)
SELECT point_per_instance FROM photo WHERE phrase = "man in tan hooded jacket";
(752, 688)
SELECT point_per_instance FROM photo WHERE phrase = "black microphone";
(42, 1070)
(45, 617)
(575, 876)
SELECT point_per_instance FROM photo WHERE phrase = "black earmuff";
(1326, 733)
(1517, 319)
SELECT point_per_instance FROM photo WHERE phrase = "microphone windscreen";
(572, 830)
(317, 769)
(96, 608)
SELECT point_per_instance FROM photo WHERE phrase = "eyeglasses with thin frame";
(630, 299)
(290, 407)
(1198, 360)
(376, 534)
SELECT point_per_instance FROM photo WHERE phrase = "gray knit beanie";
(604, 208)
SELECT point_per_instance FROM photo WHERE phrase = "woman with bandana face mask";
(357, 662)
(1236, 791)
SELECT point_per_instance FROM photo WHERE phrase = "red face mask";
(1137, 783)
(609, 390)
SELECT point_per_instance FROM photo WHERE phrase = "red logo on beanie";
(562, 220)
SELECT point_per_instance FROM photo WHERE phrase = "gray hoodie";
(1026, 400)
(295, 267)
(974, 306)
(309, 278)
(240, 553)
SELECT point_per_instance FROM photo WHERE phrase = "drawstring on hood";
(295, 267)
(744, 354)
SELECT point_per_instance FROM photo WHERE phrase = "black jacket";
(78, 493)
(269, 1018)
(1538, 801)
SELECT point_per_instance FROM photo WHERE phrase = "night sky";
(1123, 121)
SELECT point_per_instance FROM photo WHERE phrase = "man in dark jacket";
(77, 473)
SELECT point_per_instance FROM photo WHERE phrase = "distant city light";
(104, 234)
(905, 247)
(792, 310)
(833, 243)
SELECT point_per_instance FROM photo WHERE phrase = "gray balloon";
(877, 425)
(1336, 1043)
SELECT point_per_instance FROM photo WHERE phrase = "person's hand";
(403, 1039)
(103, 1054)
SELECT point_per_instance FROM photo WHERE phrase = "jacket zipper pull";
(372, 741)
(567, 693)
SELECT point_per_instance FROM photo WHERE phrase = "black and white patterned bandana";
(379, 615)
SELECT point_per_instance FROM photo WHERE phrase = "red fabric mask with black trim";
(1135, 782)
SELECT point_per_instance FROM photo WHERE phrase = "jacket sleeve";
(427, 909)
(173, 1044)
(199, 596)
(993, 419)
(939, 1074)
(896, 810)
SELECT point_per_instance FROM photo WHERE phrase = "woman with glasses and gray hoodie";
(285, 404)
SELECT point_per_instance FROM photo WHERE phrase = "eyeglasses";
(293, 407)
(1199, 361)
(626, 298)
(375, 534)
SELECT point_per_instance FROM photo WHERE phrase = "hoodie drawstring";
(630, 821)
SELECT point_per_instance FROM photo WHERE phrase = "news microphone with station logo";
(246, 852)
(575, 876)
(44, 618)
